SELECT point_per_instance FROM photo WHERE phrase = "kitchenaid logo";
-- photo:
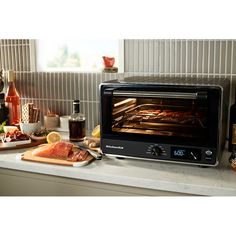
(114, 147)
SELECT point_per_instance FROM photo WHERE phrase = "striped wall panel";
(15, 54)
(56, 91)
(176, 56)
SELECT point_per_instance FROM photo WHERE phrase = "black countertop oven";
(180, 120)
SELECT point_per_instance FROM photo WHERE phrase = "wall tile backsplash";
(15, 54)
(175, 56)
(56, 91)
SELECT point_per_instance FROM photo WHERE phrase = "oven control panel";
(180, 153)
(160, 151)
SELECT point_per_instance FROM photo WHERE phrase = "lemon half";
(53, 137)
(96, 132)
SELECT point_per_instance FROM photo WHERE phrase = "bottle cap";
(76, 102)
(10, 75)
(76, 106)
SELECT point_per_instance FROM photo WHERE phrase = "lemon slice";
(53, 137)
(96, 132)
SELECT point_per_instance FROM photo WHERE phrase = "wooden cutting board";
(27, 156)
(33, 143)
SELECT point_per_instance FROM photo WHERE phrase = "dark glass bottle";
(232, 127)
(4, 112)
(232, 158)
(76, 123)
(1, 80)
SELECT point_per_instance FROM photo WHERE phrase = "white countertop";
(216, 181)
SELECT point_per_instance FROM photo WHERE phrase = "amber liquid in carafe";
(76, 123)
(77, 130)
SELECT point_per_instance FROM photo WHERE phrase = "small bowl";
(41, 135)
(41, 138)
(29, 128)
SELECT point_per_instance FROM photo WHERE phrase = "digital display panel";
(179, 153)
(185, 153)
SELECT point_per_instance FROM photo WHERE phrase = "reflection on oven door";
(161, 117)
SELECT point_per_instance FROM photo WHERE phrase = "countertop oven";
(180, 120)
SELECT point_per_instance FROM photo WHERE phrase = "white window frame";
(33, 57)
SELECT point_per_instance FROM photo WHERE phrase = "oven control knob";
(156, 151)
(208, 153)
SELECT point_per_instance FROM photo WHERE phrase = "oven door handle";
(175, 95)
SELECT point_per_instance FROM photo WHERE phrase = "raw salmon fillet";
(57, 150)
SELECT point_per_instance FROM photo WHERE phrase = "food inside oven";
(162, 117)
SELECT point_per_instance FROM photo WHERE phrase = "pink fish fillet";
(57, 150)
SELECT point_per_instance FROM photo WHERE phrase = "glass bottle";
(232, 126)
(4, 113)
(76, 123)
(232, 158)
(12, 99)
(1, 80)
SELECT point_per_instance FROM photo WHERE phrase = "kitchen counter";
(153, 176)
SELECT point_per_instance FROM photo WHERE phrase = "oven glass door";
(172, 117)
